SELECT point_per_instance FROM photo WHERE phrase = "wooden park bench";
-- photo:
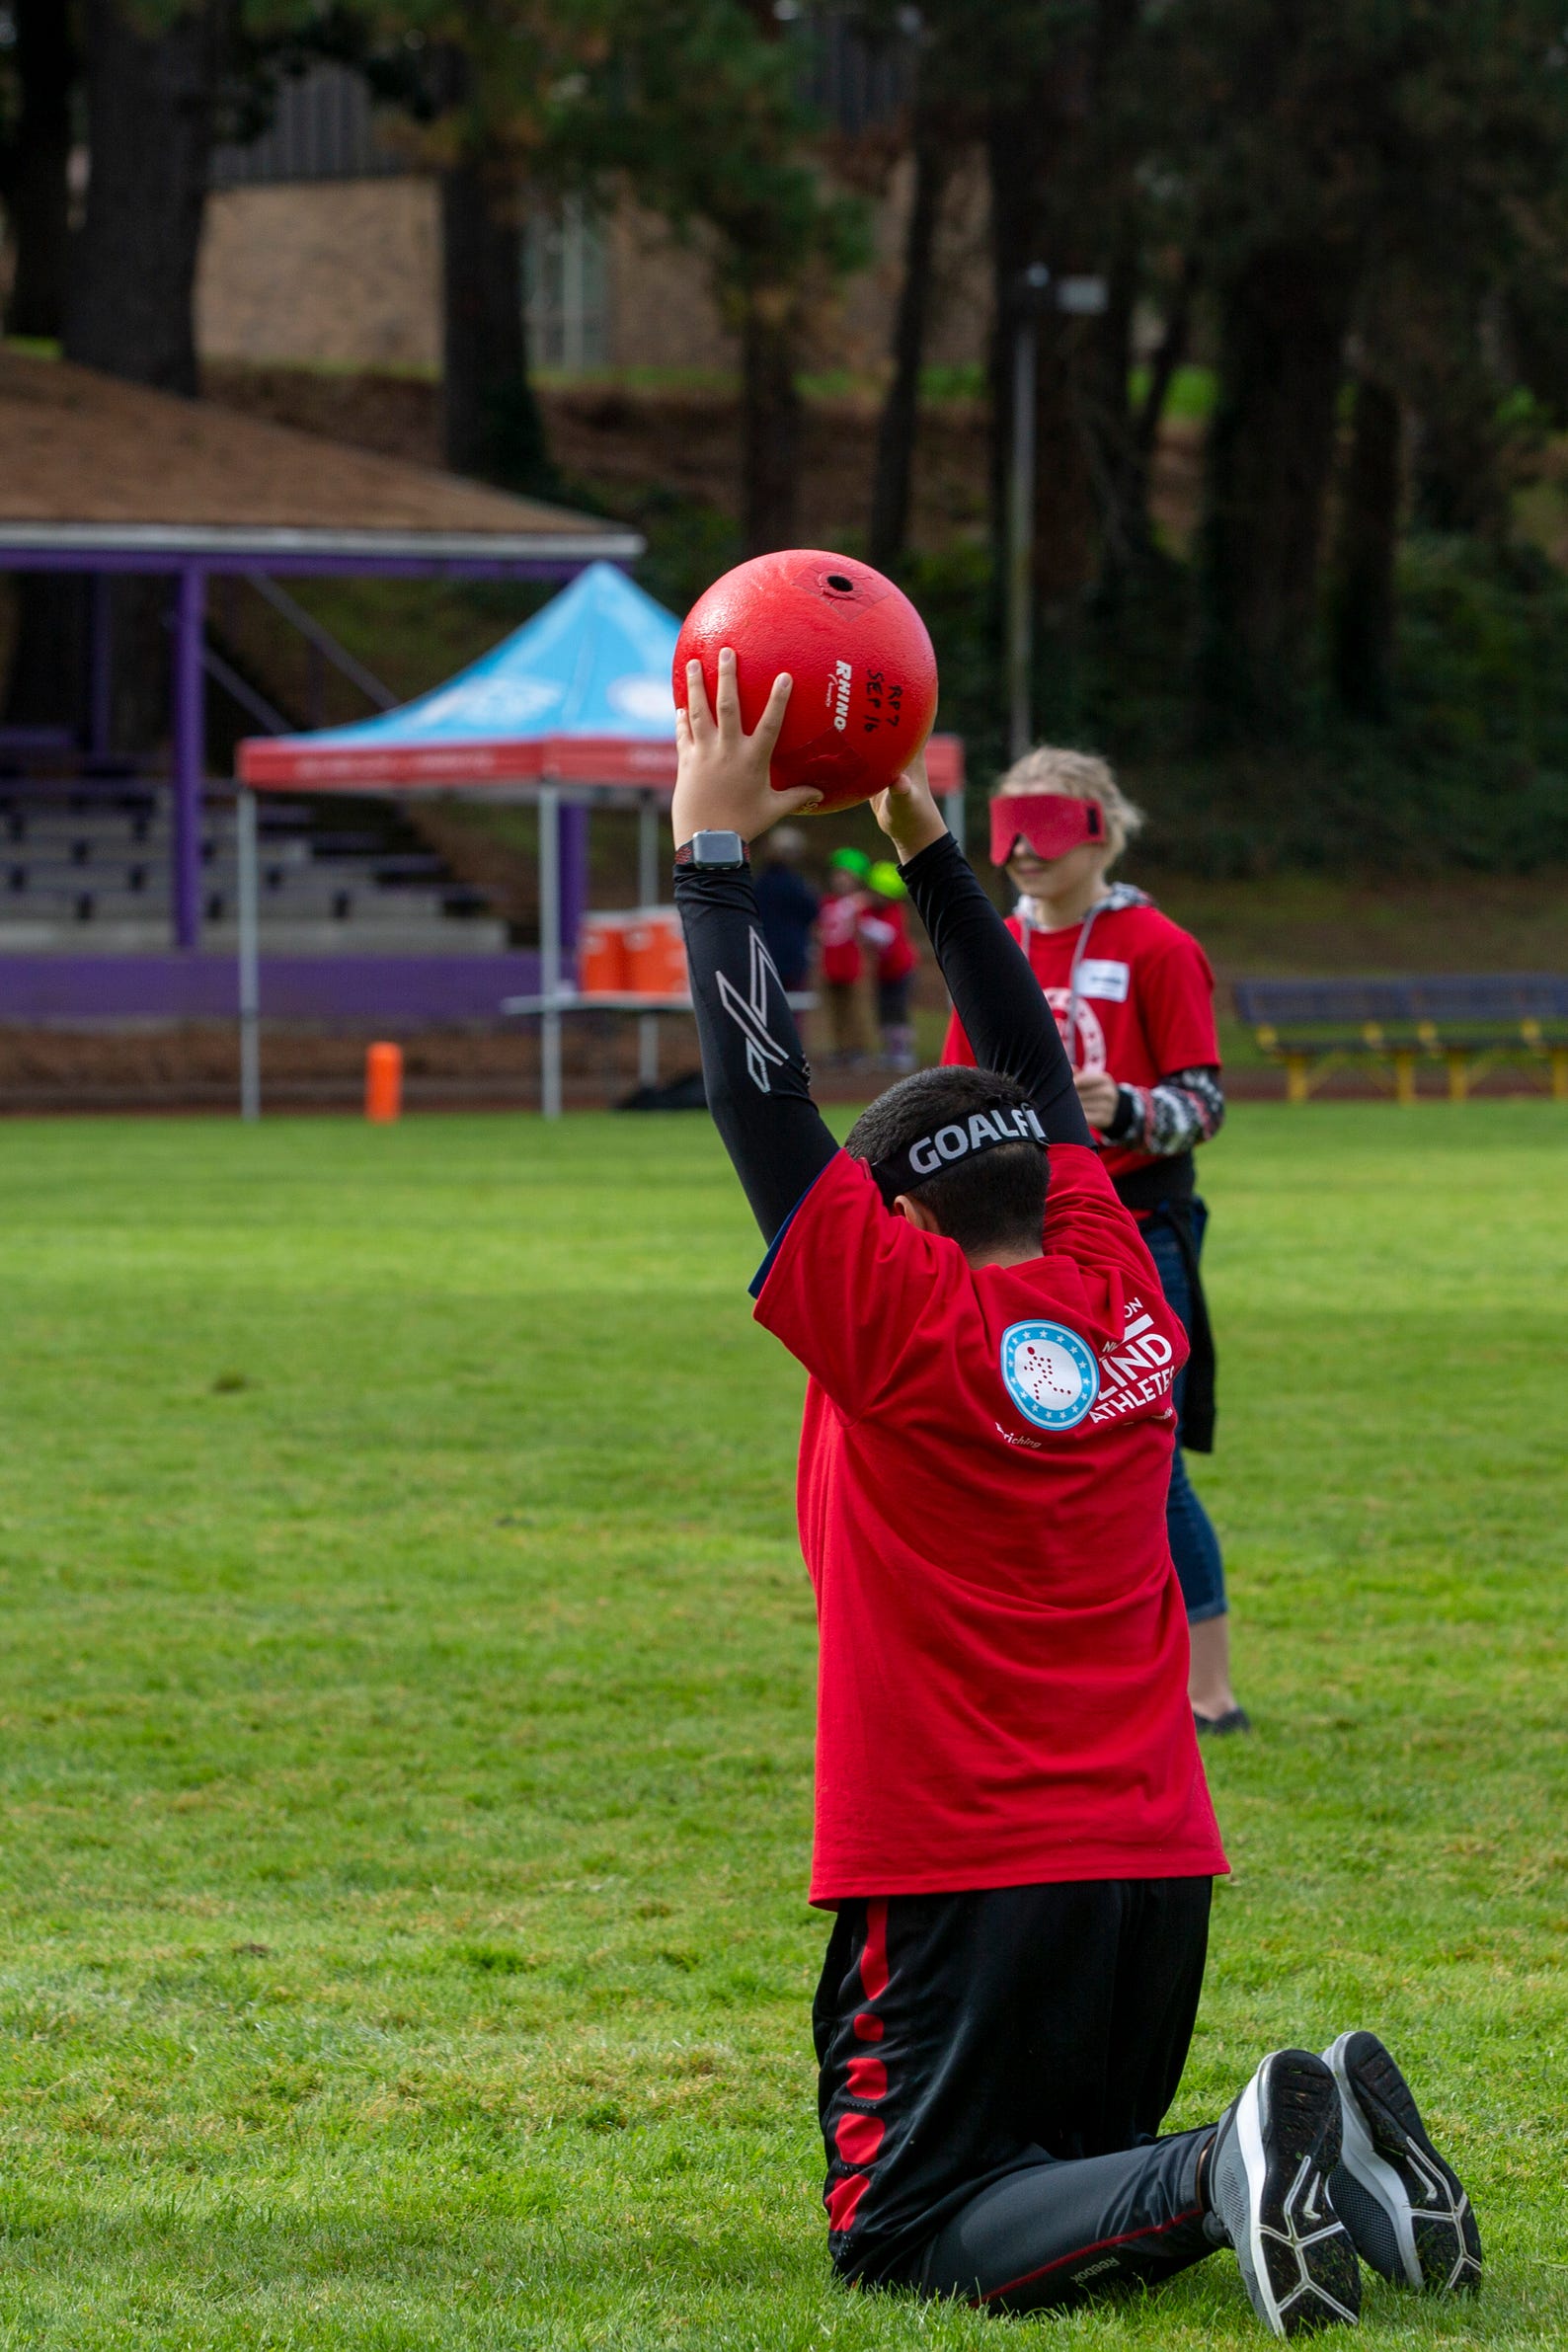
(1473, 1024)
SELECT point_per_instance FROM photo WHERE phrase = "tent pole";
(550, 950)
(574, 832)
(648, 896)
(250, 959)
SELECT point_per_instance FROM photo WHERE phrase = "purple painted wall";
(394, 990)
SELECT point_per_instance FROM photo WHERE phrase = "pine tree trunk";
(1362, 643)
(38, 196)
(491, 419)
(129, 310)
(770, 420)
(1169, 355)
(149, 110)
(1119, 479)
(1108, 167)
(1457, 479)
(1022, 150)
(898, 424)
(1283, 321)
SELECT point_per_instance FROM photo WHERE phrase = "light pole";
(1036, 292)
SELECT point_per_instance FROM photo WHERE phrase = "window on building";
(565, 289)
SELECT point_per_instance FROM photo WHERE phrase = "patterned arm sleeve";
(757, 1083)
(1185, 1108)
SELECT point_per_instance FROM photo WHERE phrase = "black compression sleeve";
(997, 998)
(752, 1066)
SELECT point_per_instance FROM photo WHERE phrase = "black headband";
(961, 1138)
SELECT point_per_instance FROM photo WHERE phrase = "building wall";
(347, 273)
(336, 272)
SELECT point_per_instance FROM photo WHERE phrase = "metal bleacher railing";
(84, 867)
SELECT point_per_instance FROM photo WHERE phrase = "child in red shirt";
(838, 940)
(1012, 1824)
(1133, 998)
(882, 928)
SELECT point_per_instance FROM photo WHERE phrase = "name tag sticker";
(1099, 977)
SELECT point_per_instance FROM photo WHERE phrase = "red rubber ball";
(864, 696)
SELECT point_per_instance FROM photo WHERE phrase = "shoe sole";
(1408, 2210)
(1296, 2256)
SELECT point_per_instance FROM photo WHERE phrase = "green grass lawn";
(407, 1687)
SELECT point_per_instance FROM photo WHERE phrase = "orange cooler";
(601, 963)
(655, 953)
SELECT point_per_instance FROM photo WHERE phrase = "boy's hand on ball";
(1097, 1092)
(722, 772)
(907, 813)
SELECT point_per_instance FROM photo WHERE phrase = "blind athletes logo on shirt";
(1139, 1371)
(1049, 1373)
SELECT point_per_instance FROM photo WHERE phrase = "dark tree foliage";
(1042, 149)
(933, 145)
(1052, 90)
(1362, 646)
(1346, 160)
(34, 165)
(696, 104)
(944, 115)
(486, 100)
(152, 100)
(1283, 322)
(491, 421)
(1355, 210)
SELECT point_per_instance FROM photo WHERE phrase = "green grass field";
(407, 1689)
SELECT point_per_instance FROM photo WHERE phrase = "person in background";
(883, 928)
(788, 907)
(1133, 999)
(838, 938)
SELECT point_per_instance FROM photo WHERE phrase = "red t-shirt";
(883, 928)
(839, 930)
(1146, 1002)
(1002, 1675)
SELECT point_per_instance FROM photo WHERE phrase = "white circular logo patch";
(1049, 1373)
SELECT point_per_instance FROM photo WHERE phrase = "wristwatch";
(723, 853)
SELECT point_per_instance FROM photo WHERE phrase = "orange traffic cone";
(383, 1082)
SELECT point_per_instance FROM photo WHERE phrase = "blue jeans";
(1195, 1547)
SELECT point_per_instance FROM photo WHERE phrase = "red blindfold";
(1051, 823)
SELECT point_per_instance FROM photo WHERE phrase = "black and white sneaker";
(1405, 2208)
(1268, 2185)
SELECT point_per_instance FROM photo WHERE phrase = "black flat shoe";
(1233, 1719)
(1403, 2205)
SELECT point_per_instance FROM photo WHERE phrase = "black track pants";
(994, 2068)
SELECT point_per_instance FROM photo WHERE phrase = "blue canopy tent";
(581, 693)
(571, 711)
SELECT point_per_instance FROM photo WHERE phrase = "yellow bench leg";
(1559, 1072)
(1406, 1077)
(1296, 1084)
(1459, 1077)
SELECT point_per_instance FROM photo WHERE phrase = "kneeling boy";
(1012, 1821)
